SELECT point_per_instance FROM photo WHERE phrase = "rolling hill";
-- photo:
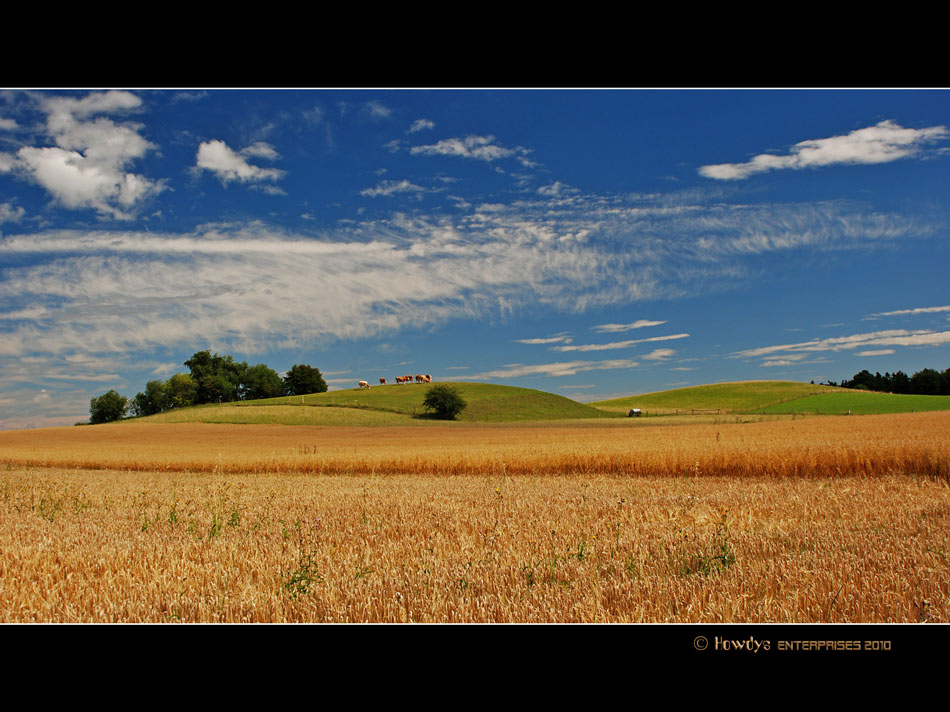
(388, 405)
(773, 397)
(741, 396)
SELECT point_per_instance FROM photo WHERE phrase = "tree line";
(926, 382)
(211, 379)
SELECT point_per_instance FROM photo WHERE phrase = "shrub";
(444, 401)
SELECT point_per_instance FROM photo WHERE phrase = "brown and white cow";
(420, 378)
(382, 381)
(428, 378)
(364, 384)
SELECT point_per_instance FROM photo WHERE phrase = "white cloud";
(918, 310)
(614, 328)
(243, 287)
(391, 187)
(562, 368)
(421, 125)
(482, 148)
(659, 354)
(891, 337)
(377, 110)
(261, 149)
(551, 340)
(87, 168)
(884, 142)
(556, 189)
(877, 352)
(617, 344)
(8, 124)
(9, 213)
(228, 165)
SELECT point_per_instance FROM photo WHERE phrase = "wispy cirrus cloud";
(557, 369)
(884, 142)
(250, 286)
(481, 148)
(549, 340)
(659, 354)
(617, 344)
(392, 187)
(615, 328)
(889, 337)
(906, 312)
(377, 110)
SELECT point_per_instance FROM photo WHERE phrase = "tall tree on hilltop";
(261, 381)
(302, 379)
(217, 378)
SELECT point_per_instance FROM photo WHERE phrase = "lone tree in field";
(445, 401)
(107, 407)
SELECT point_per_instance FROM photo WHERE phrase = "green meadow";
(741, 396)
(860, 403)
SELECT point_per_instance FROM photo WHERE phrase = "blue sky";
(591, 243)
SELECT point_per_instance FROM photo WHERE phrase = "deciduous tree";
(107, 407)
(302, 379)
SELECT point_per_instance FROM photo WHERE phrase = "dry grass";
(840, 520)
(111, 546)
(914, 443)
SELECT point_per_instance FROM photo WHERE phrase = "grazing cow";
(428, 378)
(408, 379)
(400, 379)
(420, 378)
(364, 384)
(382, 381)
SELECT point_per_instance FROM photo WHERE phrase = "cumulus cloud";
(556, 189)
(87, 168)
(229, 165)
(8, 124)
(884, 142)
(9, 213)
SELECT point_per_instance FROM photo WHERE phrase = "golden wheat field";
(816, 520)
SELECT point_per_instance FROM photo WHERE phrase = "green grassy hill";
(742, 396)
(860, 403)
(772, 397)
(388, 405)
